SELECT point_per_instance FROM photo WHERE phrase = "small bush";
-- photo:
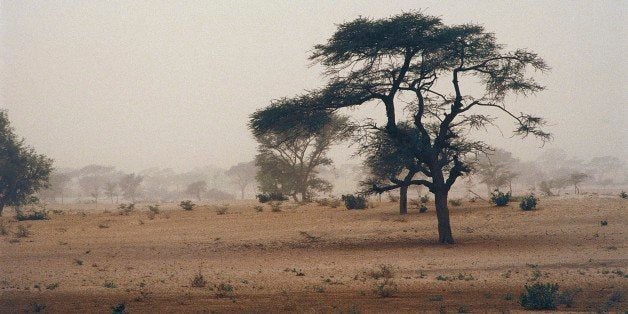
(154, 209)
(273, 196)
(222, 209)
(424, 199)
(386, 288)
(528, 202)
(52, 286)
(354, 201)
(499, 198)
(187, 205)
(22, 232)
(224, 290)
(603, 223)
(119, 308)
(20, 215)
(455, 202)
(382, 271)
(275, 206)
(258, 208)
(110, 284)
(623, 195)
(422, 209)
(198, 281)
(126, 209)
(566, 298)
(4, 229)
(539, 296)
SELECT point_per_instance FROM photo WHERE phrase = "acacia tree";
(196, 188)
(22, 171)
(576, 178)
(92, 185)
(58, 184)
(242, 174)
(294, 147)
(495, 169)
(415, 56)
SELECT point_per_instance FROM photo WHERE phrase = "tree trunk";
(442, 214)
(242, 192)
(1, 208)
(403, 200)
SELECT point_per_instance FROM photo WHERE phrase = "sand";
(312, 258)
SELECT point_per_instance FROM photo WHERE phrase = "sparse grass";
(198, 281)
(78, 262)
(222, 209)
(425, 199)
(567, 297)
(459, 276)
(4, 229)
(386, 288)
(393, 198)
(539, 296)
(126, 209)
(187, 205)
(154, 209)
(224, 290)
(382, 271)
(110, 284)
(455, 202)
(22, 232)
(275, 206)
(319, 289)
(437, 297)
(52, 286)
(258, 208)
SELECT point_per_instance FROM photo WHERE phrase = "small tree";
(576, 178)
(111, 190)
(242, 174)
(293, 148)
(197, 189)
(92, 185)
(59, 183)
(129, 184)
(22, 171)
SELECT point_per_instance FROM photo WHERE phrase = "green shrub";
(539, 296)
(119, 308)
(258, 208)
(198, 281)
(224, 290)
(154, 209)
(273, 196)
(354, 201)
(499, 198)
(22, 232)
(623, 195)
(385, 288)
(187, 205)
(528, 202)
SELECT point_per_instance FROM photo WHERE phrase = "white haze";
(172, 83)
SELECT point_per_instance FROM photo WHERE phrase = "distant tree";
(23, 172)
(242, 174)
(197, 189)
(414, 60)
(111, 191)
(495, 169)
(129, 184)
(292, 149)
(92, 185)
(58, 184)
(576, 178)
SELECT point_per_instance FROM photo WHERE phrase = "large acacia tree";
(448, 78)
(293, 147)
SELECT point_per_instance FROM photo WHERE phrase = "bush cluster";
(539, 296)
(500, 198)
(273, 196)
(187, 205)
(20, 215)
(354, 201)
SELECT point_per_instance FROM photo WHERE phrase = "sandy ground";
(314, 259)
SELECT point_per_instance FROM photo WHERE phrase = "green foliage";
(119, 308)
(187, 205)
(500, 198)
(528, 202)
(623, 195)
(354, 201)
(23, 172)
(271, 196)
(224, 290)
(539, 296)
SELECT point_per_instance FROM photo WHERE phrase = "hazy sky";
(137, 84)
